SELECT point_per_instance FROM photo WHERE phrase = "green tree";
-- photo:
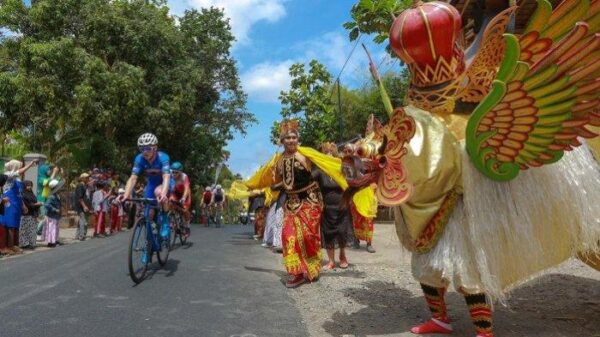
(82, 79)
(374, 17)
(312, 99)
(309, 100)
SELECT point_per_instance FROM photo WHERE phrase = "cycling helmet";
(207, 189)
(176, 166)
(147, 139)
(218, 187)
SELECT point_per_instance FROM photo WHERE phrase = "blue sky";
(271, 35)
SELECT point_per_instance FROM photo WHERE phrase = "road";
(223, 284)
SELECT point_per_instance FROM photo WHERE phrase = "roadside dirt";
(377, 296)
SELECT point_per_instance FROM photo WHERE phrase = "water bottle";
(154, 228)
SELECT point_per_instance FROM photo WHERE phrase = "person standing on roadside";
(27, 232)
(3, 202)
(13, 190)
(45, 174)
(99, 203)
(83, 205)
(53, 212)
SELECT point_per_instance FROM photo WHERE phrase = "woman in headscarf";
(28, 229)
(11, 219)
(53, 207)
(335, 221)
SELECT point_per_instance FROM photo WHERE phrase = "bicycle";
(218, 213)
(177, 221)
(146, 240)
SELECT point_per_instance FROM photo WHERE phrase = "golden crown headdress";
(329, 147)
(288, 126)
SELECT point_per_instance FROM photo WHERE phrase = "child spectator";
(53, 208)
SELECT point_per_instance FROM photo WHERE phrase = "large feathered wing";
(545, 94)
(483, 66)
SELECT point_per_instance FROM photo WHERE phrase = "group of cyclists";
(167, 201)
(212, 205)
(157, 168)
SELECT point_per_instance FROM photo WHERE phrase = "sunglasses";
(175, 171)
(147, 148)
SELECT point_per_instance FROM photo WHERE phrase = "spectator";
(13, 189)
(82, 205)
(116, 211)
(31, 211)
(3, 201)
(99, 203)
(45, 174)
(53, 212)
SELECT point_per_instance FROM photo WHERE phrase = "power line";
(345, 64)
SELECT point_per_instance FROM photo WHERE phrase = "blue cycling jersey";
(154, 170)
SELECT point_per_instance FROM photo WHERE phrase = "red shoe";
(485, 335)
(433, 326)
(296, 281)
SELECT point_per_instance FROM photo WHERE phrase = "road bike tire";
(139, 232)
(165, 245)
(175, 228)
(182, 237)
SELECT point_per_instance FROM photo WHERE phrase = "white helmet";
(218, 187)
(147, 139)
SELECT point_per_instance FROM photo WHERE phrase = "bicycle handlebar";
(141, 200)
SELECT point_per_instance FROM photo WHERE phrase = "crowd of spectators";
(28, 219)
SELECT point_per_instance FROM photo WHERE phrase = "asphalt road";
(223, 284)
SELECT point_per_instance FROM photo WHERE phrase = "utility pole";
(340, 119)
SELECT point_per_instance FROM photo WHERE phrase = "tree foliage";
(309, 101)
(374, 17)
(313, 100)
(81, 79)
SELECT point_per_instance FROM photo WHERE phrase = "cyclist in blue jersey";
(155, 165)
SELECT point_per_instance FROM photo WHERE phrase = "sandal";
(295, 282)
(344, 264)
(329, 266)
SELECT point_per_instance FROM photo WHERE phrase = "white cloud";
(244, 13)
(263, 82)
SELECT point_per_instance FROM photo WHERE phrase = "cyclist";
(155, 165)
(205, 204)
(182, 192)
(218, 201)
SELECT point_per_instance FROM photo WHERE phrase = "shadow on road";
(168, 270)
(243, 235)
(178, 245)
(553, 306)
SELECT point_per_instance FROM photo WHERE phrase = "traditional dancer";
(363, 218)
(290, 172)
(477, 201)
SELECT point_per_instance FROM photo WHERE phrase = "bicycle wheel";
(165, 248)
(182, 233)
(177, 228)
(140, 251)
(174, 228)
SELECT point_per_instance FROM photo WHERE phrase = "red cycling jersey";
(180, 185)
